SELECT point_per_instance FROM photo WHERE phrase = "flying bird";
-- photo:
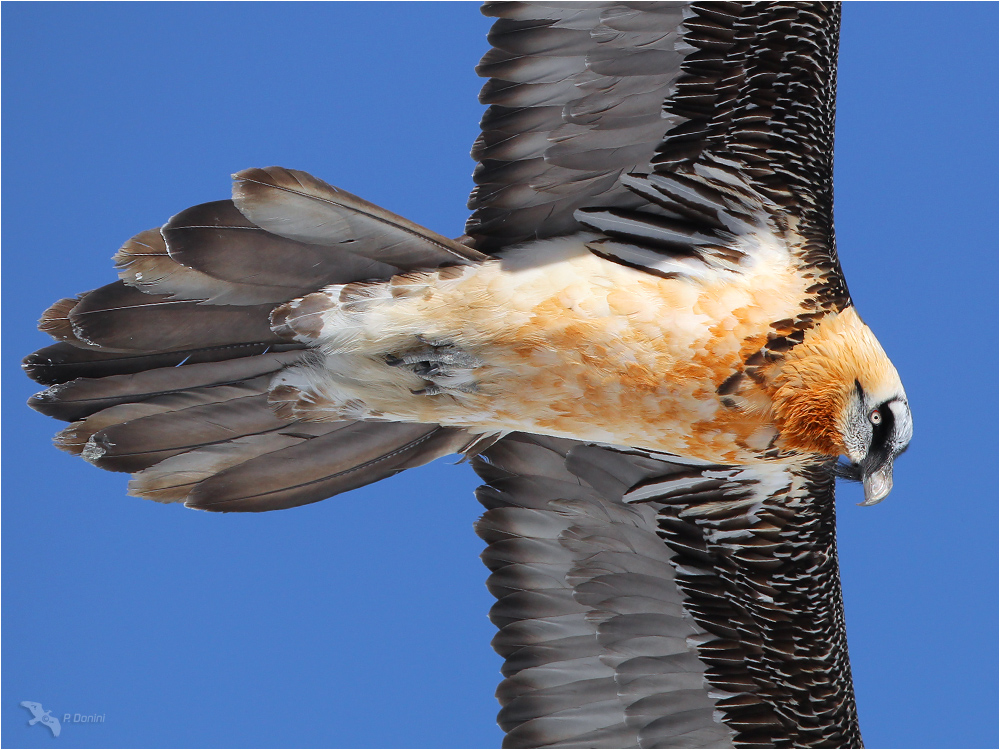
(40, 715)
(643, 342)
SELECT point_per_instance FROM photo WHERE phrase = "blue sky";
(361, 621)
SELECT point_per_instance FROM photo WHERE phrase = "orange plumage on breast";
(573, 345)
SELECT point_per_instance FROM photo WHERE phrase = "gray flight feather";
(676, 600)
(615, 117)
(584, 586)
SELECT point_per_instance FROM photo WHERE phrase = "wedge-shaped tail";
(166, 372)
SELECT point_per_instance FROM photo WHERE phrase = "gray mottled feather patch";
(585, 587)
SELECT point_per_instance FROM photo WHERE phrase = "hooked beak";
(877, 484)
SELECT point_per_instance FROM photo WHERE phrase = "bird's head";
(838, 394)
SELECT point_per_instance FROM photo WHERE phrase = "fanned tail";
(165, 373)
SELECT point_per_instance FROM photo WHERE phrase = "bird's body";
(556, 340)
(644, 342)
(570, 344)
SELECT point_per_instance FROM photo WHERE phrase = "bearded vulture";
(644, 343)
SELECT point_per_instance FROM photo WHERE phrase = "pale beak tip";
(877, 486)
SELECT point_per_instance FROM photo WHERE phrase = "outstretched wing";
(646, 602)
(576, 95)
(35, 708)
(674, 129)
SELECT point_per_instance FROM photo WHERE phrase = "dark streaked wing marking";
(729, 633)
(582, 95)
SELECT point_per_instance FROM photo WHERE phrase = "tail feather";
(172, 480)
(110, 422)
(55, 321)
(119, 318)
(74, 437)
(144, 263)
(296, 205)
(85, 396)
(61, 363)
(143, 442)
(217, 240)
(356, 454)
(166, 372)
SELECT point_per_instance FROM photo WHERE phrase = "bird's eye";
(875, 416)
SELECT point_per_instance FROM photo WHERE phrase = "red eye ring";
(875, 417)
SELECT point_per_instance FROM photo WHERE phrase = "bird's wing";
(652, 602)
(165, 373)
(35, 708)
(575, 99)
(671, 128)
